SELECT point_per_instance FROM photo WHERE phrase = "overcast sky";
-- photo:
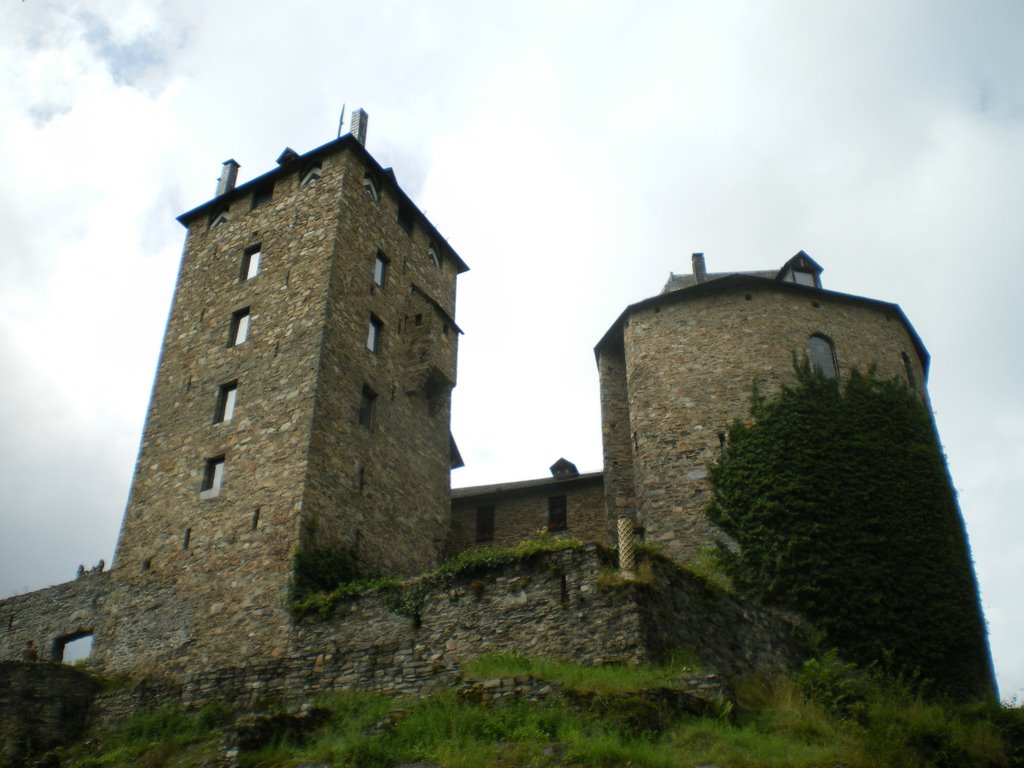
(574, 153)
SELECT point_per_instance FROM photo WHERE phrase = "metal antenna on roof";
(341, 121)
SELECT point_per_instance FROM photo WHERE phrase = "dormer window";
(370, 185)
(804, 278)
(801, 270)
(219, 219)
(310, 176)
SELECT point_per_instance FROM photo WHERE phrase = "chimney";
(359, 121)
(228, 174)
(700, 272)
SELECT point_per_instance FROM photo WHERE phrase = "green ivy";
(321, 569)
(841, 504)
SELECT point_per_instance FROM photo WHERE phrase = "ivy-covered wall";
(842, 507)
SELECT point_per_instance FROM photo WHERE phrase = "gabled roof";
(287, 164)
(742, 282)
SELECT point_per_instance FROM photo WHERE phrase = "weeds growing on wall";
(403, 597)
(841, 504)
(321, 569)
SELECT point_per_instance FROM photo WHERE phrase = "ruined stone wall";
(381, 488)
(691, 365)
(522, 513)
(47, 616)
(42, 705)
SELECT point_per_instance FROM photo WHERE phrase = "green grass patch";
(819, 717)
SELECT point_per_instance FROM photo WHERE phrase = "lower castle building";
(302, 401)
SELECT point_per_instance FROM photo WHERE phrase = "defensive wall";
(565, 605)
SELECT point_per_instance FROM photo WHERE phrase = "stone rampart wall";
(42, 705)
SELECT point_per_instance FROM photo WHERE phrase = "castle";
(303, 398)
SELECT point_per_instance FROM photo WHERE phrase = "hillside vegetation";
(843, 510)
(827, 715)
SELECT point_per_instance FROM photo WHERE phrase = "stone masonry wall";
(381, 488)
(691, 366)
(520, 514)
(228, 552)
(42, 705)
(551, 606)
(617, 442)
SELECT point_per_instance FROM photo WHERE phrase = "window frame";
(227, 399)
(250, 271)
(558, 513)
(816, 353)
(380, 269)
(367, 407)
(238, 332)
(374, 333)
(213, 477)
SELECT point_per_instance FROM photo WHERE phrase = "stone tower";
(676, 369)
(302, 396)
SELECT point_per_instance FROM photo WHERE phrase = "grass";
(793, 722)
(607, 679)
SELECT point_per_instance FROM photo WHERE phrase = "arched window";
(823, 356)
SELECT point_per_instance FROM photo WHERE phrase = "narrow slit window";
(226, 396)
(251, 262)
(213, 477)
(239, 327)
(434, 255)
(380, 269)
(374, 333)
(367, 406)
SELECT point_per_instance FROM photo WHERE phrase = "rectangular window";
(556, 514)
(239, 327)
(251, 262)
(367, 401)
(485, 523)
(373, 335)
(263, 196)
(213, 477)
(226, 402)
(380, 269)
